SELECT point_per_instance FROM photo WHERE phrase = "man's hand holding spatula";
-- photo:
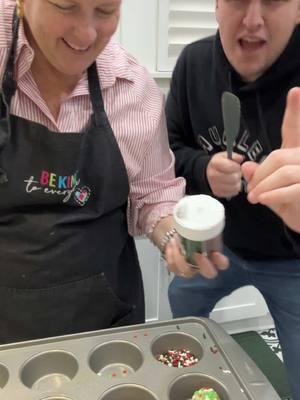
(224, 169)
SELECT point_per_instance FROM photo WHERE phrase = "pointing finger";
(291, 120)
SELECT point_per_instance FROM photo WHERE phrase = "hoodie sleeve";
(190, 161)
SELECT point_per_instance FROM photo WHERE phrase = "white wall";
(138, 30)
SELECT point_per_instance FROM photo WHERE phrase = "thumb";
(291, 120)
(248, 169)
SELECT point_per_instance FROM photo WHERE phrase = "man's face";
(70, 34)
(255, 32)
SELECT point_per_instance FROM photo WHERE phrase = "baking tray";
(121, 363)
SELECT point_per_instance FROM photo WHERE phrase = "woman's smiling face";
(70, 34)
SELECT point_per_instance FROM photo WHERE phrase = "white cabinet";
(156, 281)
(244, 303)
(245, 309)
(150, 264)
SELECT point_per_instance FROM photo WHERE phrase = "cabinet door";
(243, 303)
(149, 258)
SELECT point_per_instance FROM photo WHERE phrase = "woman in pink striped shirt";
(84, 166)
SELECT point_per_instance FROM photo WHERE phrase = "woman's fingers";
(219, 260)
(175, 259)
(206, 266)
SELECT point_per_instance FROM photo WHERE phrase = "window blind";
(182, 22)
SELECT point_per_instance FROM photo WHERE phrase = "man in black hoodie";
(256, 55)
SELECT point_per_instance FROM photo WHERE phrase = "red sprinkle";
(214, 349)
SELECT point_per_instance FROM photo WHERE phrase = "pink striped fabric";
(134, 106)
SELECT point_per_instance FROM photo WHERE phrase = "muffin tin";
(121, 364)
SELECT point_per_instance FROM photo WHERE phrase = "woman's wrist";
(163, 232)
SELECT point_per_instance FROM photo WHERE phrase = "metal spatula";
(231, 110)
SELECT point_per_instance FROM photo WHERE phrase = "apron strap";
(9, 87)
(95, 92)
(9, 84)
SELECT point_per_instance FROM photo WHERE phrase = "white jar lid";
(199, 217)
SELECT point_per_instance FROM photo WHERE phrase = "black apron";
(67, 262)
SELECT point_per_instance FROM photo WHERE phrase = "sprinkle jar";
(199, 221)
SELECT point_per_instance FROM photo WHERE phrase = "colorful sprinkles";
(178, 358)
(205, 393)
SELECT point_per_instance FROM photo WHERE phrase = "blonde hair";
(20, 8)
